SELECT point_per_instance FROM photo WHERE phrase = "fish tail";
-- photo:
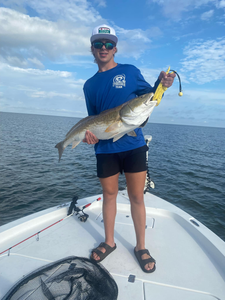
(60, 148)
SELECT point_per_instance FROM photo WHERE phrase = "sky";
(45, 55)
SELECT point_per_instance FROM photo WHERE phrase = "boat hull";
(190, 258)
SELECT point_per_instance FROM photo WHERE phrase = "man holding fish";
(113, 85)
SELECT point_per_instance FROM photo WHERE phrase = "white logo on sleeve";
(119, 81)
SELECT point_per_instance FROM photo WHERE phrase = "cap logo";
(104, 30)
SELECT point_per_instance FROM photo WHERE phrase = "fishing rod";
(77, 210)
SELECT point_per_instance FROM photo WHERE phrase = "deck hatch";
(131, 278)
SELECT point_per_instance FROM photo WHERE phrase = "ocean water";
(187, 164)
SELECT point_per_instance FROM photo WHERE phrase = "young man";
(111, 86)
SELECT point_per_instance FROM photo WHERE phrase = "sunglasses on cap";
(99, 45)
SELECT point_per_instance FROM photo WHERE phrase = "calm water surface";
(187, 164)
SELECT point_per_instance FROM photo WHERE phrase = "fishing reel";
(82, 216)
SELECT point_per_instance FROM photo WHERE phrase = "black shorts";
(131, 161)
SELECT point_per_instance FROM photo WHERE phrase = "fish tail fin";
(60, 148)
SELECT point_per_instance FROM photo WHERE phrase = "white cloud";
(68, 10)
(207, 97)
(221, 4)
(188, 35)
(26, 40)
(150, 75)
(134, 42)
(100, 3)
(133, 35)
(29, 90)
(207, 15)
(196, 107)
(44, 94)
(173, 9)
(34, 61)
(35, 72)
(138, 34)
(205, 60)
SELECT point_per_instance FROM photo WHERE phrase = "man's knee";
(136, 198)
(110, 194)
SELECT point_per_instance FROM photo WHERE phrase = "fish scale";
(112, 123)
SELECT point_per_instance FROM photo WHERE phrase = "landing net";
(70, 278)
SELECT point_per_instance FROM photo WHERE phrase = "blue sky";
(45, 54)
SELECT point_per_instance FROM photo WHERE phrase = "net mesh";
(71, 278)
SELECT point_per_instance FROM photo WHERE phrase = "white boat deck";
(190, 259)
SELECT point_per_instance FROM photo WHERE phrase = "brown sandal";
(143, 262)
(100, 253)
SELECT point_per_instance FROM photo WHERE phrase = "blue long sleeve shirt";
(110, 89)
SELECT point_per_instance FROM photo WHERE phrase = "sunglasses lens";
(109, 46)
(99, 45)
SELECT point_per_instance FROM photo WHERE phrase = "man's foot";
(146, 261)
(99, 253)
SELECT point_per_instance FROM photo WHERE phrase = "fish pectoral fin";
(75, 143)
(117, 137)
(132, 133)
(113, 126)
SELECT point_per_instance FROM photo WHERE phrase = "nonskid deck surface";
(189, 266)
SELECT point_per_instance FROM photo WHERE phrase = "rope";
(148, 183)
(161, 89)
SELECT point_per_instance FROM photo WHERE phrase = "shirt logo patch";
(103, 30)
(119, 81)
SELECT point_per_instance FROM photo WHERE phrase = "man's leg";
(135, 188)
(110, 191)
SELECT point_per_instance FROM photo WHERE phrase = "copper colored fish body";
(112, 123)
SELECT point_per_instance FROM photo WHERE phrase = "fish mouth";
(146, 102)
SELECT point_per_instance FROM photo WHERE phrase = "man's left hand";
(167, 79)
